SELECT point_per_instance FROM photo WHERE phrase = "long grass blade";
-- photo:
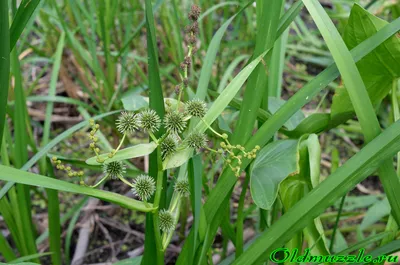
(21, 150)
(153, 255)
(21, 18)
(50, 145)
(227, 180)
(4, 63)
(27, 178)
(359, 97)
(345, 178)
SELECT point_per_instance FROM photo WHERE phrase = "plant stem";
(125, 181)
(120, 144)
(336, 224)
(152, 136)
(156, 203)
(240, 216)
(100, 182)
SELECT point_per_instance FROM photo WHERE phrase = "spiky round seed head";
(196, 140)
(174, 122)
(166, 221)
(196, 108)
(182, 187)
(144, 187)
(149, 120)
(127, 122)
(169, 145)
(114, 169)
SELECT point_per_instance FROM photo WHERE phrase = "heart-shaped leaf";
(377, 69)
(273, 164)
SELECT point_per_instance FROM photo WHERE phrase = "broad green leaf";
(294, 188)
(385, 59)
(273, 164)
(377, 69)
(127, 153)
(27, 178)
(375, 213)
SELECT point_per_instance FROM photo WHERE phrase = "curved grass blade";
(27, 178)
(30, 257)
(227, 180)
(215, 7)
(359, 97)
(21, 18)
(384, 250)
(51, 144)
(345, 178)
(212, 51)
(153, 253)
(268, 15)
